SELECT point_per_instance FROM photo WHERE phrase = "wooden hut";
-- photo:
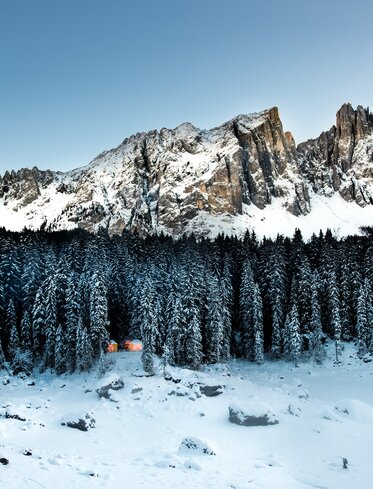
(132, 345)
(112, 347)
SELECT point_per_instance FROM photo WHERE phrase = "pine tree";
(214, 321)
(73, 310)
(292, 337)
(104, 363)
(11, 325)
(99, 335)
(10, 271)
(3, 362)
(277, 296)
(60, 351)
(32, 277)
(50, 324)
(227, 300)
(258, 326)
(38, 321)
(295, 340)
(304, 295)
(26, 333)
(149, 322)
(174, 327)
(22, 362)
(362, 324)
(193, 353)
(84, 350)
(165, 360)
(316, 347)
(4, 336)
(247, 292)
(276, 347)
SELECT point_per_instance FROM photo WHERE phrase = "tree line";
(64, 295)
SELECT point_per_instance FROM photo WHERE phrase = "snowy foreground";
(325, 414)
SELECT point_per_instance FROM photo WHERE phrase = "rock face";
(341, 159)
(168, 180)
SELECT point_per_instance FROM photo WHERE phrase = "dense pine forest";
(64, 295)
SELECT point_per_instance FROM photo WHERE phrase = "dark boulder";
(211, 390)
(104, 391)
(246, 418)
(82, 422)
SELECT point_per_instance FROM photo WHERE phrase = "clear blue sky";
(78, 76)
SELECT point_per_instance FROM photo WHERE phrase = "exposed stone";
(246, 418)
(340, 160)
(14, 416)
(194, 445)
(104, 391)
(211, 390)
(82, 422)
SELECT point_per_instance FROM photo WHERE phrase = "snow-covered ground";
(334, 213)
(325, 414)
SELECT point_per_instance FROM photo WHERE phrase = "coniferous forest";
(64, 295)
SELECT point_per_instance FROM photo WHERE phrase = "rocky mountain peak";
(184, 179)
(353, 124)
(340, 160)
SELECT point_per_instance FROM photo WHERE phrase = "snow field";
(325, 414)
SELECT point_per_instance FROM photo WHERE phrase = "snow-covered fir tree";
(193, 343)
(26, 332)
(364, 318)
(292, 336)
(72, 309)
(84, 350)
(247, 292)
(50, 322)
(98, 332)
(148, 317)
(11, 326)
(214, 320)
(316, 337)
(60, 351)
(3, 362)
(258, 326)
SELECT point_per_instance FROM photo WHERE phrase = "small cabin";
(132, 345)
(112, 347)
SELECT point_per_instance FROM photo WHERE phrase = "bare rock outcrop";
(340, 160)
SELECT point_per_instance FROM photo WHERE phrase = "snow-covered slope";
(245, 174)
(325, 414)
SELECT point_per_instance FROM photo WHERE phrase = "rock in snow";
(253, 414)
(114, 385)
(211, 390)
(82, 421)
(184, 180)
(193, 445)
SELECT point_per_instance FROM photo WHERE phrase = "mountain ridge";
(188, 179)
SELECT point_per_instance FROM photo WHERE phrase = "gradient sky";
(78, 76)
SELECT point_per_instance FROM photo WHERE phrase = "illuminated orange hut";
(112, 347)
(133, 345)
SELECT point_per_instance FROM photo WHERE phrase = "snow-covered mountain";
(246, 173)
